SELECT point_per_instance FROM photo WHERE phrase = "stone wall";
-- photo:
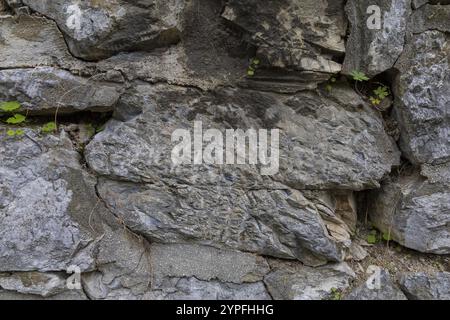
(98, 203)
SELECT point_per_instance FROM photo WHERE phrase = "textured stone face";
(277, 223)
(324, 144)
(175, 203)
(39, 198)
(51, 219)
(97, 29)
(194, 289)
(304, 283)
(416, 210)
(431, 17)
(423, 103)
(45, 89)
(205, 263)
(374, 51)
(107, 198)
(122, 267)
(291, 34)
(382, 289)
(45, 44)
(43, 284)
(200, 272)
(422, 286)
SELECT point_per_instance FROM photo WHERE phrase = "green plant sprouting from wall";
(254, 64)
(12, 108)
(49, 127)
(17, 118)
(331, 81)
(375, 237)
(377, 95)
(336, 294)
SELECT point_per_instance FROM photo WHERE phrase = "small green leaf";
(250, 72)
(255, 61)
(20, 132)
(11, 133)
(49, 127)
(359, 76)
(381, 92)
(372, 238)
(329, 88)
(336, 294)
(387, 236)
(375, 101)
(333, 79)
(10, 106)
(16, 119)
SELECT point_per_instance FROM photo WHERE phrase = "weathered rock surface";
(205, 263)
(97, 29)
(66, 295)
(431, 17)
(422, 286)
(44, 284)
(305, 283)
(377, 289)
(51, 220)
(353, 151)
(122, 152)
(200, 272)
(41, 37)
(281, 223)
(47, 89)
(370, 50)
(194, 289)
(423, 100)
(140, 227)
(291, 34)
(122, 267)
(42, 193)
(415, 209)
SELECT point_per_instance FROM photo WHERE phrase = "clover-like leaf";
(375, 101)
(16, 119)
(387, 236)
(11, 133)
(49, 127)
(9, 106)
(381, 92)
(372, 237)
